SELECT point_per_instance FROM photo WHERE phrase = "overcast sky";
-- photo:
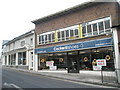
(16, 15)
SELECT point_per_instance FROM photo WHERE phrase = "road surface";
(17, 79)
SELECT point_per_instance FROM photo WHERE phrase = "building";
(78, 37)
(18, 52)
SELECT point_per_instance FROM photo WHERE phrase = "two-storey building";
(18, 52)
(78, 37)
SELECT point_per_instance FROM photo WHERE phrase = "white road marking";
(12, 85)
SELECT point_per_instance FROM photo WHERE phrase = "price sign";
(101, 62)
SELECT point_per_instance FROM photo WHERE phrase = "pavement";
(106, 78)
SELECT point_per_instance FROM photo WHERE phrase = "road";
(16, 79)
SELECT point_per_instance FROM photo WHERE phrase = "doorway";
(73, 62)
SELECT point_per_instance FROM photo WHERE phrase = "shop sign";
(96, 67)
(101, 62)
(49, 63)
(77, 46)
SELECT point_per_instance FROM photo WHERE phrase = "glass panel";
(58, 33)
(71, 33)
(85, 60)
(95, 27)
(101, 27)
(95, 32)
(107, 24)
(42, 39)
(67, 34)
(76, 32)
(49, 37)
(52, 37)
(24, 58)
(63, 35)
(89, 29)
(84, 30)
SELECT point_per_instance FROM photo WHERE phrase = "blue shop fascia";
(78, 56)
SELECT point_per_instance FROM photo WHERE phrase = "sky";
(16, 15)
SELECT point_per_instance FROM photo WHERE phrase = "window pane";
(58, 34)
(76, 32)
(40, 39)
(89, 29)
(95, 27)
(95, 32)
(49, 37)
(22, 43)
(107, 24)
(52, 37)
(84, 29)
(45, 38)
(63, 34)
(67, 33)
(71, 33)
(100, 24)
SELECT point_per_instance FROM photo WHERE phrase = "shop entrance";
(73, 62)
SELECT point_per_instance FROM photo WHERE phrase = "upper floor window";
(96, 27)
(92, 28)
(22, 43)
(46, 38)
(67, 33)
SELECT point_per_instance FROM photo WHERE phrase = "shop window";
(58, 58)
(22, 58)
(85, 60)
(104, 53)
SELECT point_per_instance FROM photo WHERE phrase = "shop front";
(77, 56)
